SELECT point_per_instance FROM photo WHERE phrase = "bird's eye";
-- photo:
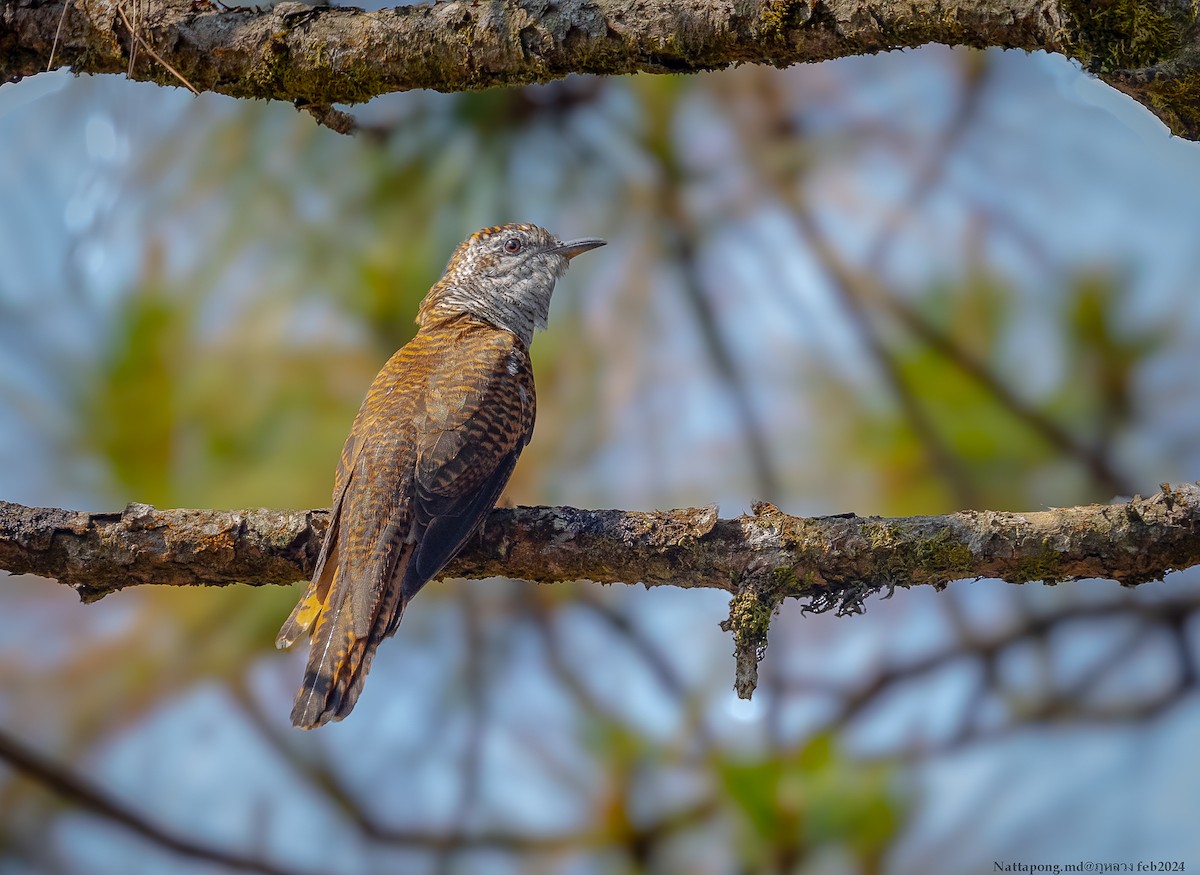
(512, 245)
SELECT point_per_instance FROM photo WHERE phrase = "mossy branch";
(834, 562)
(318, 56)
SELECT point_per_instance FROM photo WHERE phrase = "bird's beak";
(575, 247)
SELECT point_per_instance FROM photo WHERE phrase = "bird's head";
(504, 275)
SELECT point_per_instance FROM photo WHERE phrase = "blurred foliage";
(1006, 461)
(802, 801)
(1106, 349)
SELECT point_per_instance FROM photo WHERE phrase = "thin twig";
(57, 34)
(1096, 462)
(843, 283)
(855, 701)
(658, 664)
(975, 70)
(133, 47)
(335, 119)
(75, 789)
(729, 372)
(137, 37)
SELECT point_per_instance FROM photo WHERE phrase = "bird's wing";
(466, 454)
(428, 466)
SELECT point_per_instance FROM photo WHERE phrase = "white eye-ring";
(512, 245)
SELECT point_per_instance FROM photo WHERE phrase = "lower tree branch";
(835, 562)
(818, 558)
(318, 56)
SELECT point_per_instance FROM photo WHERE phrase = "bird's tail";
(343, 644)
(303, 616)
(316, 597)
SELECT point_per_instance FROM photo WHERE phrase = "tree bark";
(761, 558)
(318, 56)
(822, 558)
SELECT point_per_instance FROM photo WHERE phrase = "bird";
(431, 449)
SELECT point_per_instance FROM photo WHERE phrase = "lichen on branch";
(833, 560)
(762, 558)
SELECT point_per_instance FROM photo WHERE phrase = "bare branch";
(319, 56)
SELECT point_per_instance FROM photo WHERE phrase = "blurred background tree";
(905, 284)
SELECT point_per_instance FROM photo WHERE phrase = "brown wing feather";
(433, 446)
(466, 455)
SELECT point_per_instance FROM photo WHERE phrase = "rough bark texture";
(821, 558)
(761, 558)
(818, 557)
(317, 56)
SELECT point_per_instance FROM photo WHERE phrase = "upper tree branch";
(319, 56)
(823, 557)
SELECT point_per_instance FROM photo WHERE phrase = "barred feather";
(432, 446)
(429, 453)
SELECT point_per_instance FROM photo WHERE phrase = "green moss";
(780, 17)
(788, 582)
(1128, 34)
(943, 555)
(278, 74)
(1045, 565)
(784, 579)
(757, 601)
(937, 557)
(1177, 102)
(882, 535)
(265, 77)
(749, 620)
(357, 85)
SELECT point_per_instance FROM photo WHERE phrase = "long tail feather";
(316, 597)
(303, 615)
(343, 647)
